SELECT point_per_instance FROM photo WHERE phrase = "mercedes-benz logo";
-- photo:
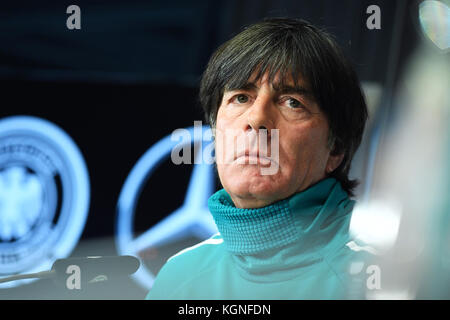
(192, 218)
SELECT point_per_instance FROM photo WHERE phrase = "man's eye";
(293, 103)
(241, 98)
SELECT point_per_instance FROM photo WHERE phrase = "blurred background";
(86, 115)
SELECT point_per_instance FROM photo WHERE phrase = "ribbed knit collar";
(249, 231)
(284, 237)
(291, 232)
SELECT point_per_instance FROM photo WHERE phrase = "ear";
(333, 162)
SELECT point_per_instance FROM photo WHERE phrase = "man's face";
(303, 156)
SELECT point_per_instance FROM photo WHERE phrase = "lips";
(253, 157)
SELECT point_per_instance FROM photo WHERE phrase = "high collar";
(288, 233)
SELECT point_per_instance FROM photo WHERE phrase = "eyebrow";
(280, 89)
(285, 89)
(249, 86)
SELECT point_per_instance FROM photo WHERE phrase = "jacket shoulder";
(350, 264)
(185, 265)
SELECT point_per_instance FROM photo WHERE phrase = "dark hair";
(296, 48)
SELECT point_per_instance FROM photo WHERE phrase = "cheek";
(305, 146)
(219, 148)
(223, 116)
(228, 136)
(225, 149)
(219, 134)
(221, 138)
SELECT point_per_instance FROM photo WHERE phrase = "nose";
(260, 114)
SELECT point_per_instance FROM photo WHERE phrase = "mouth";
(253, 158)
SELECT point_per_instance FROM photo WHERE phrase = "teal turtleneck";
(292, 249)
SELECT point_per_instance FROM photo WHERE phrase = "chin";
(249, 182)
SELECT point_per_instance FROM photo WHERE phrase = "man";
(282, 235)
